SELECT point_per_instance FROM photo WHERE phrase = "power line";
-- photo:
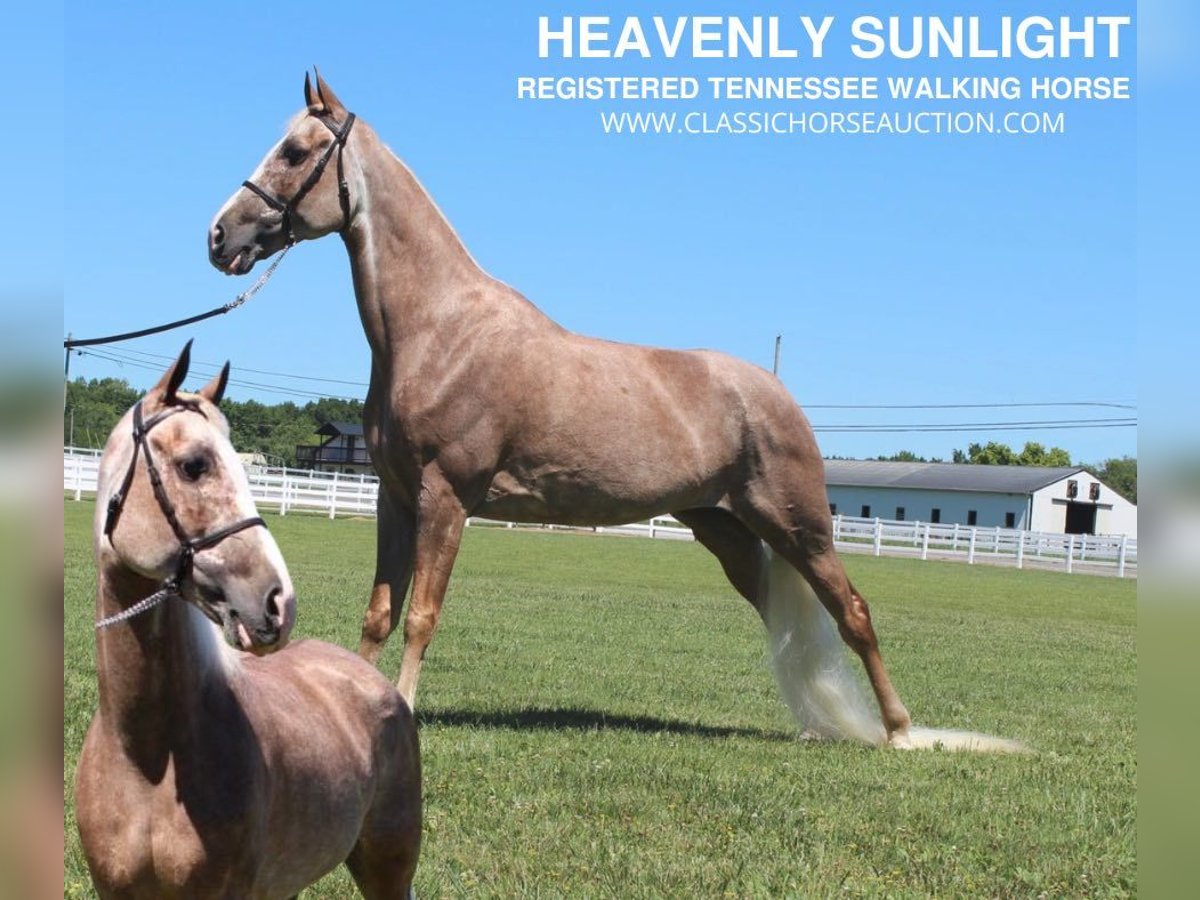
(1110, 405)
(1047, 422)
(217, 367)
(274, 389)
(896, 429)
(122, 358)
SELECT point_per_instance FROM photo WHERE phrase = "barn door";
(1081, 518)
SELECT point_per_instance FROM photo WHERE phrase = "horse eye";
(193, 467)
(294, 154)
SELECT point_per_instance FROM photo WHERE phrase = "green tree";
(1120, 474)
(1034, 454)
(902, 456)
(335, 409)
(93, 409)
(993, 453)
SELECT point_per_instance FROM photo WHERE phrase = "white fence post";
(1020, 549)
(837, 527)
(333, 486)
(954, 541)
(925, 543)
(878, 536)
(1070, 551)
(283, 495)
(78, 480)
(1121, 555)
(996, 541)
(971, 547)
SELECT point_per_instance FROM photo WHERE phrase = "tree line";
(94, 406)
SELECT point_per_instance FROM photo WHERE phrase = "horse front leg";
(396, 538)
(440, 521)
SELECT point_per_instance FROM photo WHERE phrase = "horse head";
(289, 197)
(174, 506)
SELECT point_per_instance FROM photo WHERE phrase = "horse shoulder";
(114, 832)
(140, 834)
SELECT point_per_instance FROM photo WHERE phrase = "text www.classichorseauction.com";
(855, 122)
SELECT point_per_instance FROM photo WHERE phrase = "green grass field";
(598, 719)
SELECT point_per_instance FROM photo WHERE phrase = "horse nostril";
(274, 614)
(218, 235)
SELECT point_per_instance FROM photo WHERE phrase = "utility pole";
(778, 341)
(66, 372)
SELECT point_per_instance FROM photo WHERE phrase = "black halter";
(188, 547)
(289, 207)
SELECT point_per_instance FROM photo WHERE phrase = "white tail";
(819, 681)
(810, 661)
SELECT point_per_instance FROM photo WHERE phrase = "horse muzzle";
(235, 260)
(260, 629)
(268, 633)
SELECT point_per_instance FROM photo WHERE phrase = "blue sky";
(979, 269)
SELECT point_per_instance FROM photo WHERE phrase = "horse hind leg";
(381, 875)
(384, 858)
(823, 571)
(801, 533)
(805, 649)
(735, 546)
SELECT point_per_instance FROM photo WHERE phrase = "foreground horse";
(481, 405)
(209, 772)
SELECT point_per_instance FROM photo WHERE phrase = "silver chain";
(262, 280)
(140, 607)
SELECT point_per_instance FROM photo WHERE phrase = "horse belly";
(561, 497)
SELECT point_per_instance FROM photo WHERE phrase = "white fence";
(1094, 553)
(301, 491)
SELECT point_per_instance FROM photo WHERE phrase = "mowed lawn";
(598, 719)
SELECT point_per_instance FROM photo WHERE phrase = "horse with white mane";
(210, 771)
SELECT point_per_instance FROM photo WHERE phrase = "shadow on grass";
(586, 720)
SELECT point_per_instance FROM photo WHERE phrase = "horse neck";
(152, 669)
(410, 269)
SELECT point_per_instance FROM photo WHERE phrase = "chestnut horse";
(481, 405)
(209, 772)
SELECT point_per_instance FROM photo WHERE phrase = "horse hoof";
(900, 740)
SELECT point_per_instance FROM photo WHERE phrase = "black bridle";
(289, 207)
(188, 546)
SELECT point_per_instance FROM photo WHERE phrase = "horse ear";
(215, 389)
(313, 104)
(328, 98)
(169, 384)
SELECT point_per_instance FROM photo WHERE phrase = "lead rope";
(237, 301)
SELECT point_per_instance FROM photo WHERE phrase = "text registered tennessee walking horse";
(209, 772)
(461, 418)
